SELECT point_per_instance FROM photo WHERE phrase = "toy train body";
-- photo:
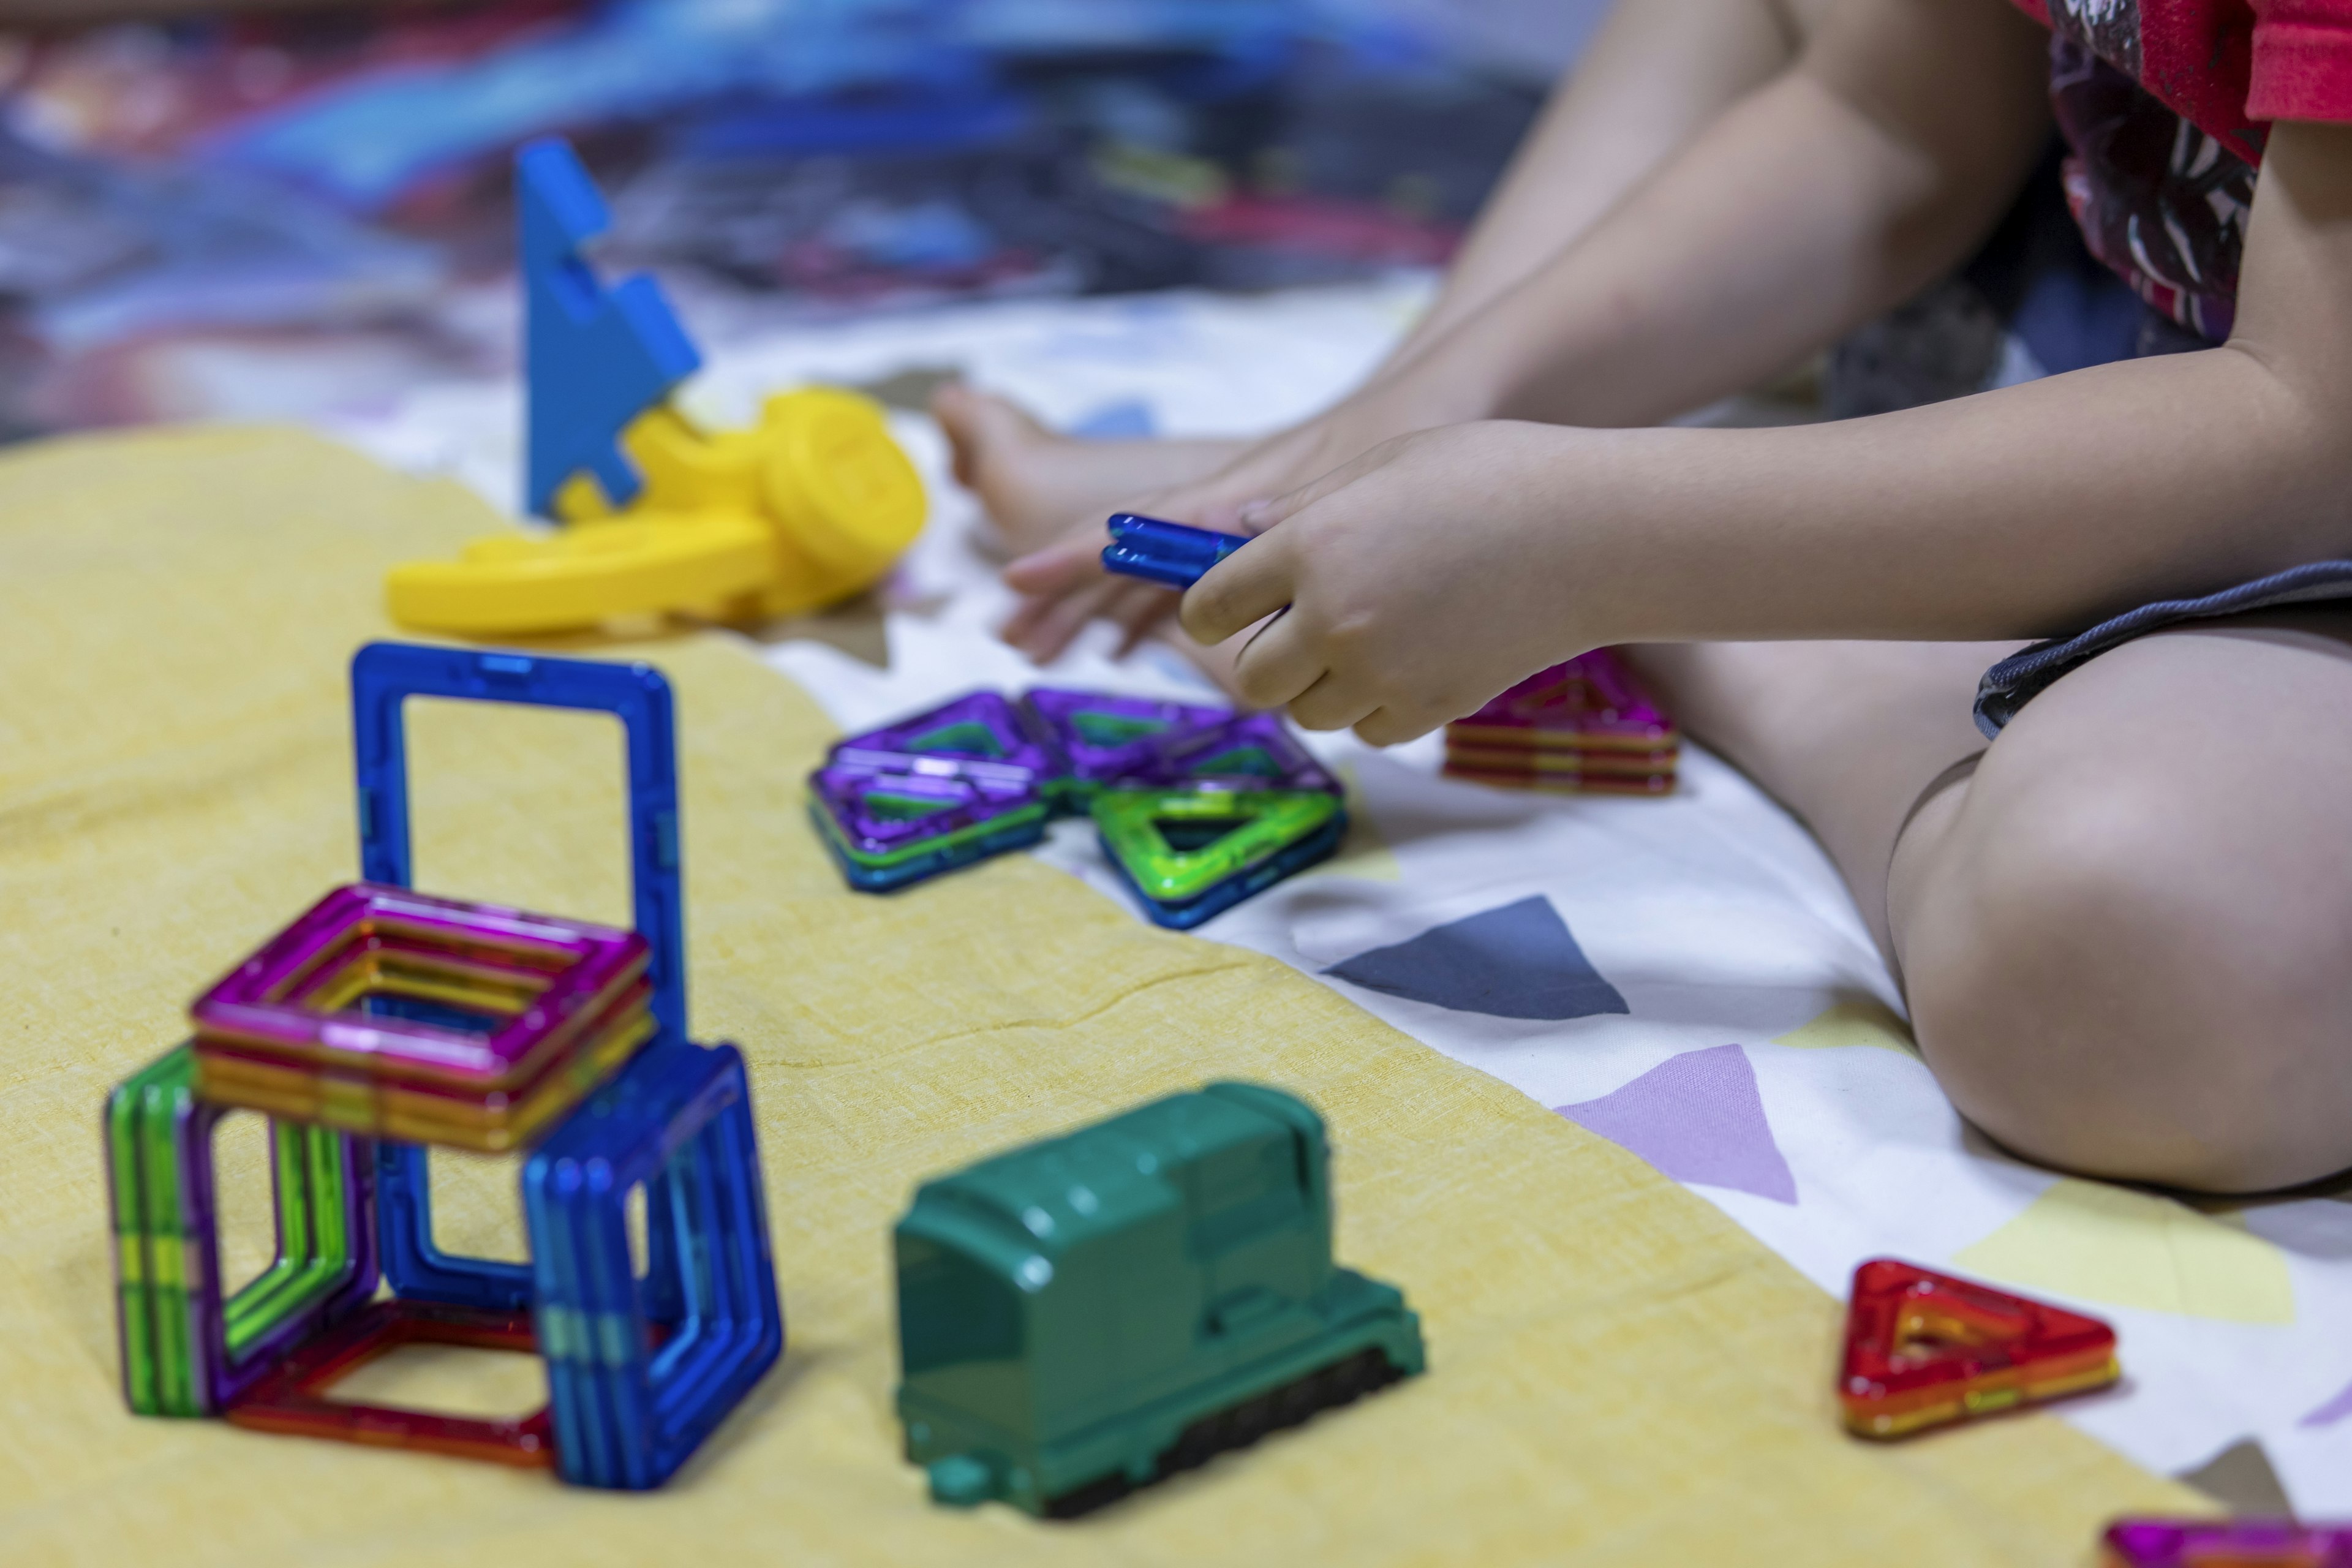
(1090, 1314)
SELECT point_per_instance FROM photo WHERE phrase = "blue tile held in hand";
(1515, 961)
(1172, 555)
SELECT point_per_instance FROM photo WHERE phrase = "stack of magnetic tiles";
(383, 1019)
(1585, 726)
(1198, 806)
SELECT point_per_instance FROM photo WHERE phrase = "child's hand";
(1421, 579)
(1064, 586)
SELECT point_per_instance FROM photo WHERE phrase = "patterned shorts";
(2017, 679)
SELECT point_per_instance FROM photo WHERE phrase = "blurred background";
(302, 210)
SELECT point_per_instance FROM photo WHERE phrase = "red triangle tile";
(1923, 1348)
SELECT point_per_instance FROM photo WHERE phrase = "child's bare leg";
(2124, 935)
(1034, 480)
(1657, 73)
(1845, 734)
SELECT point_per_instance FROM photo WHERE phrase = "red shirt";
(2165, 104)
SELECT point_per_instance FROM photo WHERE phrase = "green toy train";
(1094, 1312)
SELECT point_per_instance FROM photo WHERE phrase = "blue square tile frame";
(384, 677)
(641, 1371)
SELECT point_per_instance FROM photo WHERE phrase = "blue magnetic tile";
(384, 677)
(594, 358)
(641, 1372)
(1169, 553)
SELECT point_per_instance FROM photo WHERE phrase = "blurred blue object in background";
(290, 179)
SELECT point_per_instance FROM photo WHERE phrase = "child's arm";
(1432, 572)
(1654, 75)
(1820, 200)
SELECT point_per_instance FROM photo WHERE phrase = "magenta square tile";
(1593, 697)
(260, 1003)
(2227, 1543)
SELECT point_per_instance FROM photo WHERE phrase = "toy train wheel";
(1238, 1425)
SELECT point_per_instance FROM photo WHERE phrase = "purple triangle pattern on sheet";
(1697, 1118)
(1517, 961)
(2330, 1413)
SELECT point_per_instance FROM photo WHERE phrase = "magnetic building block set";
(1197, 806)
(382, 1021)
(1077, 1318)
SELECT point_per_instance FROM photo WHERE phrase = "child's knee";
(2092, 995)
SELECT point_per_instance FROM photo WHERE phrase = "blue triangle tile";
(1516, 961)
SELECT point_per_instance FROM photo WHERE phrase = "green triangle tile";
(1159, 838)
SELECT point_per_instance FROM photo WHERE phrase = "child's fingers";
(1247, 585)
(1045, 627)
(1278, 664)
(1257, 517)
(1139, 610)
(1059, 566)
(1388, 727)
(1331, 704)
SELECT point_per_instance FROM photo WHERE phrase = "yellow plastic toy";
(806, 507)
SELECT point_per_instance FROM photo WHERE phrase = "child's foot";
(1035, 483)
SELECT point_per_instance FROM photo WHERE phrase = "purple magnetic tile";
(2238, 1542)
(1058, 710)
(1176, 761)
(246, 1006)
(1592, 694)
(966, 798)
(226, 1380)
(1013, 742)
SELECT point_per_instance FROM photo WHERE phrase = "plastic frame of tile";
(582, 973)
(979, 727)
(292, 1399)
(185, 1350)
(932, 860)
(1105, 736)
(2225, 1543)
(1280, 833)
(641, 1372)
(1255, 825)
(1248, 751)
(384, 677)
(1169, 553)
(947, 809)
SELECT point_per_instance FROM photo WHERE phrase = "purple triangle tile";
(1242, 750)
(978, 727)
(1062, 714)
(1696, 1118)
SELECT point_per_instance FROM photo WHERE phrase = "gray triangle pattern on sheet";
(2241, 1480)
(1518, 961)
